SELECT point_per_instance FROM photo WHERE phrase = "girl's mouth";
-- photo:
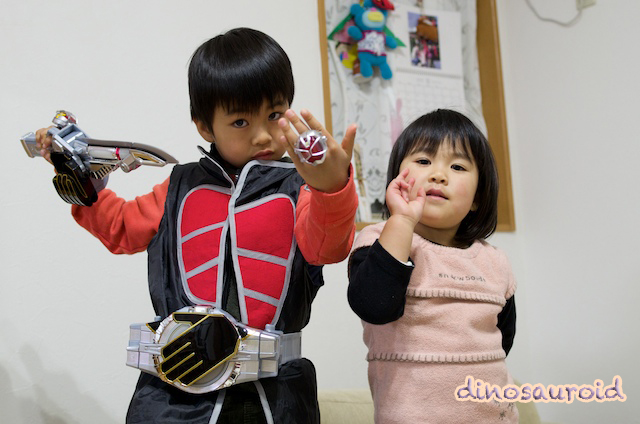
(436, 193)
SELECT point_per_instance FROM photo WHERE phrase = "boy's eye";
(274, 116)
(240, 123)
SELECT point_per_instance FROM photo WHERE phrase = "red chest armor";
(262, 246)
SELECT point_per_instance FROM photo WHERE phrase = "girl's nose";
(438, 177)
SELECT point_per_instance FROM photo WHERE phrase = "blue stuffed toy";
(369, 32)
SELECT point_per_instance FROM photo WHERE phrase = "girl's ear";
(204, 131)
(474, 207)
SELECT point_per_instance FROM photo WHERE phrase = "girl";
(435, 298)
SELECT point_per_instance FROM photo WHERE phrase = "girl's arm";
(377, 284)
(124, 226)
(379, 275)
(507, 324)
(405, 213)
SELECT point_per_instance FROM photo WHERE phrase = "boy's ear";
(204, 131)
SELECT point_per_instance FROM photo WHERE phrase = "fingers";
(288, 139)
(313, 123)
(298, 124)
(349, 139)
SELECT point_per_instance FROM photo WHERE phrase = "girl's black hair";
(238, 70)
(426, 134)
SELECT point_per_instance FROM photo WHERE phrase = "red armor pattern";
(263, 229)
(197, 213)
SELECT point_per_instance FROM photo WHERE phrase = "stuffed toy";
(370, 33)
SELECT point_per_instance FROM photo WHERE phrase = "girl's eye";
(240, 123)
(423, 161)
(458, 168)
(274, 116)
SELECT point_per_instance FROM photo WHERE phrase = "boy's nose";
(262, 136)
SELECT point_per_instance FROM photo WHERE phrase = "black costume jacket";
(210, 249)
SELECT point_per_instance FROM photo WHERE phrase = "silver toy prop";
(83, 162)
(311, 147)
(200, 349)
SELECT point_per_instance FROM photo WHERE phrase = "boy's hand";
(43, 142)
(400, 201)
(331, 175)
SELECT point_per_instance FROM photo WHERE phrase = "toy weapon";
(82, 163)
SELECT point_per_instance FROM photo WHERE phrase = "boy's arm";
(325, 223)
(124, 226)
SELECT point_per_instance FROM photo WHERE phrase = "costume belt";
(200, 349)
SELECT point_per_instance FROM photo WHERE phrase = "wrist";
(402, 222)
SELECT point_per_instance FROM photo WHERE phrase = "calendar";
(417, 94)
(428, 75)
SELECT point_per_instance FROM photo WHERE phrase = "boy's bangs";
(246, 91)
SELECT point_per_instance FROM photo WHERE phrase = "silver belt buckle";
(201, 349)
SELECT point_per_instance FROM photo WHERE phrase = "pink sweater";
(448, 331)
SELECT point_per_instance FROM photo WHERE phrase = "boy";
(241, 229)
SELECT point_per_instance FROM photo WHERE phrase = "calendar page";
(428, 74)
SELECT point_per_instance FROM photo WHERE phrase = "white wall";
(571, 107)
(66, 303)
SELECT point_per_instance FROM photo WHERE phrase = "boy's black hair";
(238, 70)
(426, 134)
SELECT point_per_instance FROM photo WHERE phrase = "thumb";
(349, 139)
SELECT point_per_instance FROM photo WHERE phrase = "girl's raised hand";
(400, 200)
(331, 175)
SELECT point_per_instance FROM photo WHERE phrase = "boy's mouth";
(263, 155)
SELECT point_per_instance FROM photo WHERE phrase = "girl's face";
(450, 180)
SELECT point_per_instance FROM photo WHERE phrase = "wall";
(121, 67)
(571, 109)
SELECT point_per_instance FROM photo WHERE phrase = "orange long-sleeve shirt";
(325, 222)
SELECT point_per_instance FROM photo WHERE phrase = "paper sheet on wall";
(428, 73)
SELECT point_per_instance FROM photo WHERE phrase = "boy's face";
(242, 136)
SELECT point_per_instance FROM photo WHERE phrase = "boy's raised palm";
(333, 173)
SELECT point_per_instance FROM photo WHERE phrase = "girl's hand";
(406, 211)
(401, 202)
(43, 142)
(331, 175)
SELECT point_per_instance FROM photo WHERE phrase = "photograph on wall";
(423, 40)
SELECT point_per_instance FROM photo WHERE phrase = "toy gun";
(83, 163)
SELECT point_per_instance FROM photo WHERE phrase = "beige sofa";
(355, 406)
